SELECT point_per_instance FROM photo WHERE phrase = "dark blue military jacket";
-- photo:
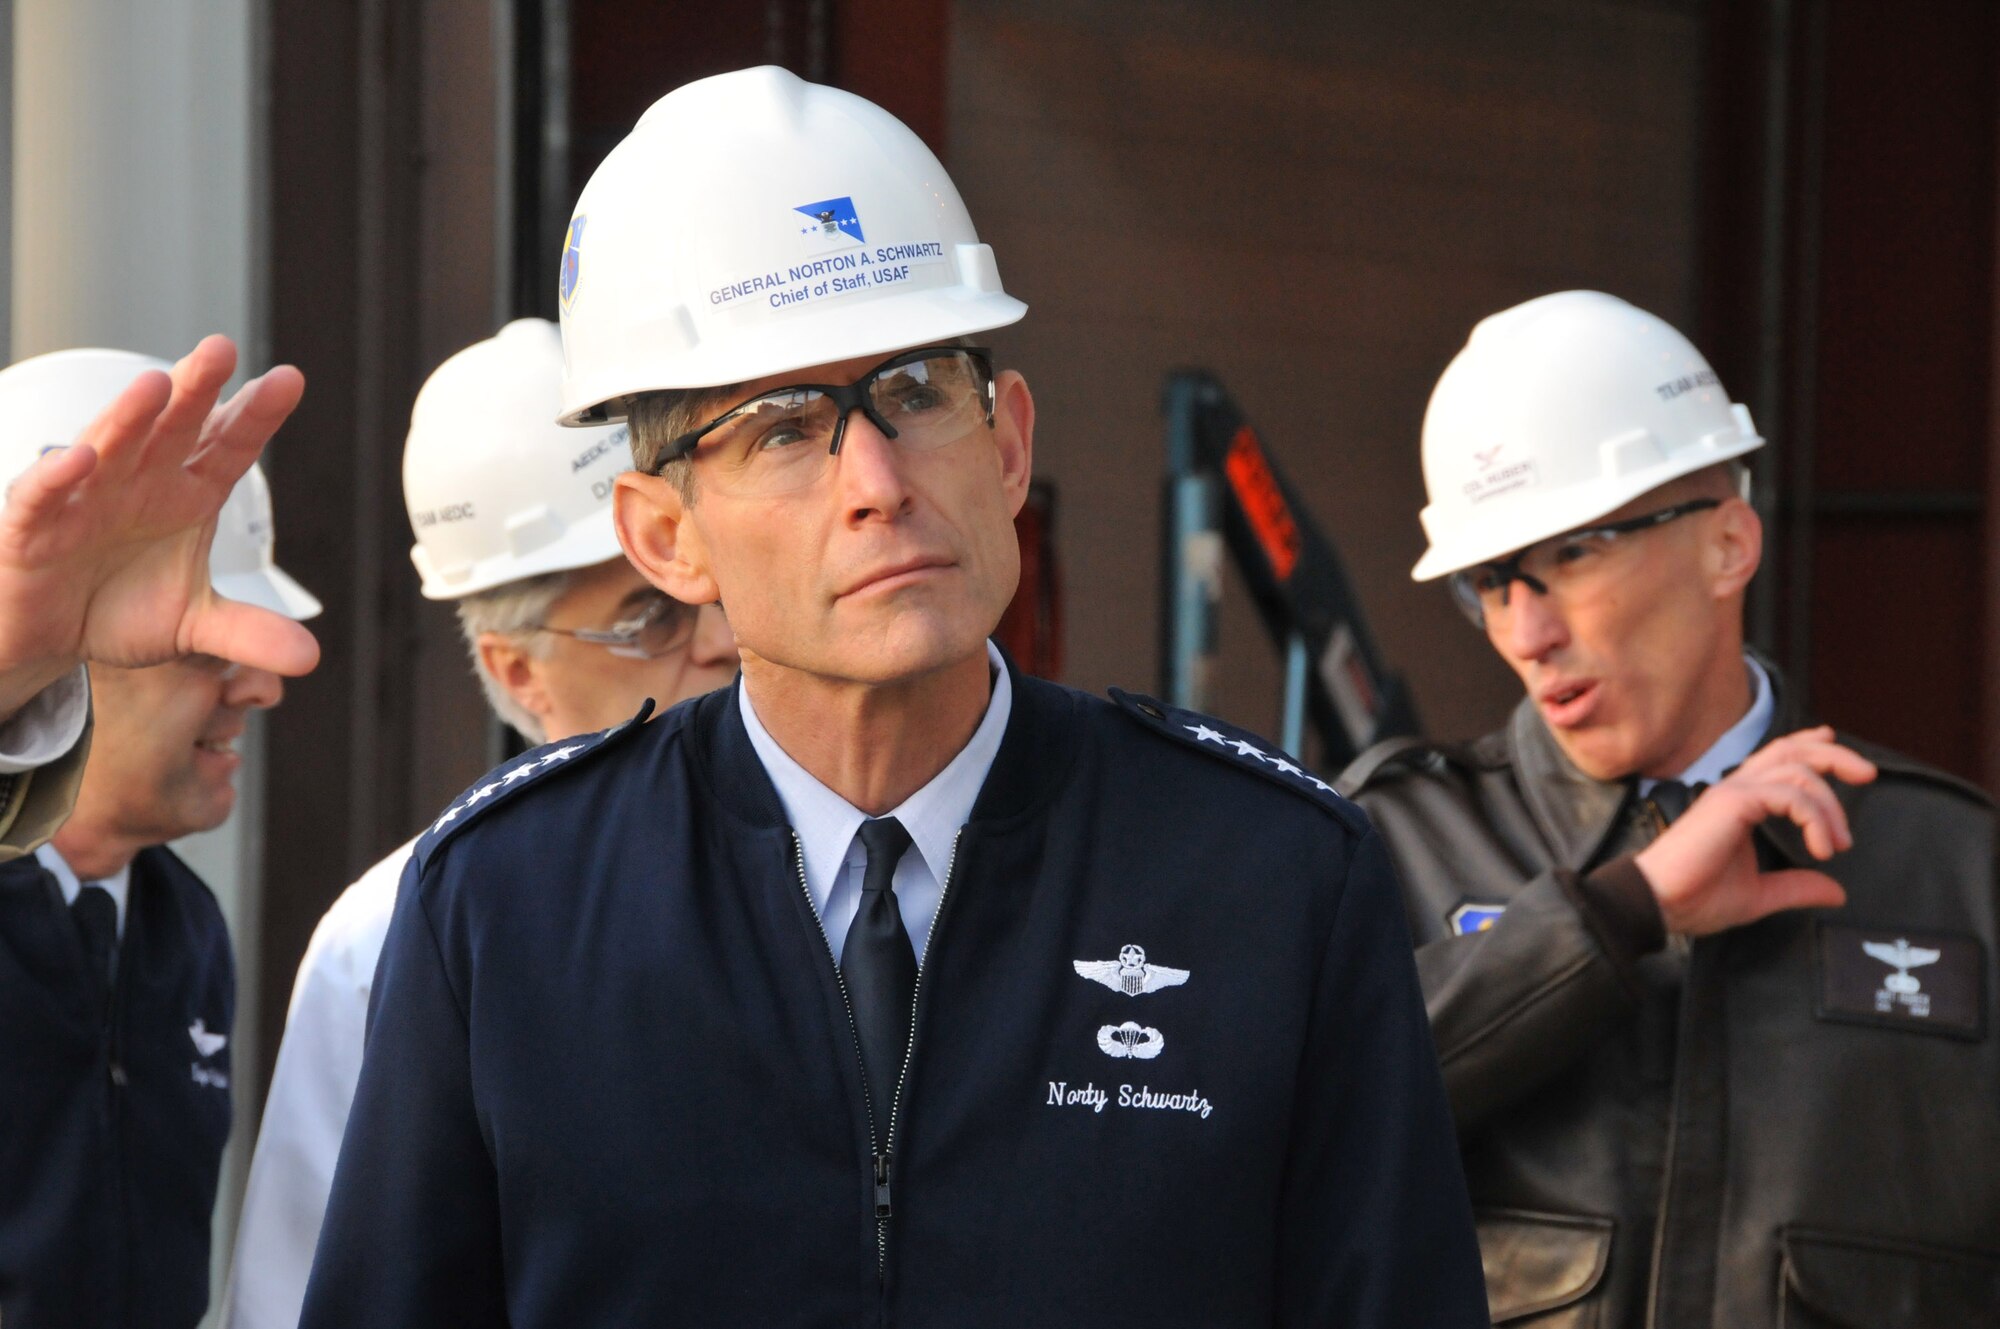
(112, 1114)
(1170, 1062)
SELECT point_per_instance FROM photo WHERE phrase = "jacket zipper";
(1670, 1161)
(117, 1081)
(879, 1158)
(884, 1159)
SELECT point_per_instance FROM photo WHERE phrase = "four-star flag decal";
(1204, 734)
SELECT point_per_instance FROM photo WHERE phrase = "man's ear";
(513, 668)
(1014, 436)
(658, 538)
(1736, 547)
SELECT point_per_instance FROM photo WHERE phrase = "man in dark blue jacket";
(890, 986)
(117, 990)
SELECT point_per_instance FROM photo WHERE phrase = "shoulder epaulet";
(506, 781)
(1235, 747)
(1408, 755)
(1888, 761)
(1387, 755)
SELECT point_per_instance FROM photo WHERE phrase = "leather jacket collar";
(1577, 814)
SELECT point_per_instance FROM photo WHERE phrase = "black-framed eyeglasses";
(786, 438)
(1557, 563)
(660, 626)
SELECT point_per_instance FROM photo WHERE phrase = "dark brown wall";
(1901, 430)
(1848, 294)
(1317, 202)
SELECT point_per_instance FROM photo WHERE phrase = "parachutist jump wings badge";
(1130, 974)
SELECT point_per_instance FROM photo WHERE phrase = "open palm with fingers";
(104, 545)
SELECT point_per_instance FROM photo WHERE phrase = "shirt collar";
(118, 884)
(1741, 739)
(825, 822)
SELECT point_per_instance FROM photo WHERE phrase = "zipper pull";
(118, 1077)
(882, 1185)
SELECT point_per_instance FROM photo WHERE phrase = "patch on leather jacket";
(1474, 916)
(1923, 982)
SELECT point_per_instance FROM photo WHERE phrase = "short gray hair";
(658, 418)
(512, 611)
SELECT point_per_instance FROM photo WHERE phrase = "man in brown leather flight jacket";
(1714, 995)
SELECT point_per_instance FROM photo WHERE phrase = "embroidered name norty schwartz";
(1063, 1094)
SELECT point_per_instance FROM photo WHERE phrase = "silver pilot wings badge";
(1901, 957)
(1130, 974)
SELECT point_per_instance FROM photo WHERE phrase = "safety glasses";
(787, 438)
(661, 626)
(1561, 564)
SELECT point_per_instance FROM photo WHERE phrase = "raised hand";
(104, 545)
(1703, 868)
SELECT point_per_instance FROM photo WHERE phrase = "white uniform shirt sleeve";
(48, 726)
(312, 1089)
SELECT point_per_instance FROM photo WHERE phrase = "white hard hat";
(497, 491)
(753, 224)
(47, 400)
(1557, 412)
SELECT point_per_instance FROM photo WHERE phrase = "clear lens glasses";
(661, 626)
(786, 439)
(1560, 565)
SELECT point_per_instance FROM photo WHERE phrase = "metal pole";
(1292, 733)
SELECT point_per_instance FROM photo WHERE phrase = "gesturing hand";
(104, 545)
(1703, 868)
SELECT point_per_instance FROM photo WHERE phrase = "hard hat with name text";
(1557, 412)
(496, 490)
(46, 401)
(752, 224)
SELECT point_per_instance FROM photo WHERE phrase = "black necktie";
(95, 914)
(1670, 798)
(881, 968)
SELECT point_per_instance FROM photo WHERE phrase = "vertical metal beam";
(1292, 730)
(1191, 556)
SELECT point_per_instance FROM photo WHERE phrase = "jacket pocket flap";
(1870, 1283)
(1537, 1262)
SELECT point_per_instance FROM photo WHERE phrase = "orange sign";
(1257, 490)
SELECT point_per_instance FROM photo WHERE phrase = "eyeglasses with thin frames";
(661, 626)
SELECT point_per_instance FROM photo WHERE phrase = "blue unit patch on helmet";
(572, 259)
(834, 221)
(1474, 916)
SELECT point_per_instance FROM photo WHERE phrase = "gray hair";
(513, 611)
(657, 419)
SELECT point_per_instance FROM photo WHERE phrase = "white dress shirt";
(1735, 745)
(828, 825)
(118, 884)
(312, 1090)
(47, 726)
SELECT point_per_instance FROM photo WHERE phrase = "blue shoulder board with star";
(509, 779)
(1238, 747)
